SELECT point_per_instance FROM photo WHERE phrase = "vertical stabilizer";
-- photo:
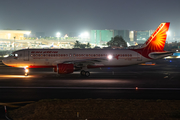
(157, 40)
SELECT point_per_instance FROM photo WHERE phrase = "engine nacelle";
(65, 68)
(55, 69)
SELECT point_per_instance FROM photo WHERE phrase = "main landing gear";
(85, 73)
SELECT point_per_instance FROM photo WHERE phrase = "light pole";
(27, 33)
(168, 35)
(84, 35)
(14, 43)
(58, 35)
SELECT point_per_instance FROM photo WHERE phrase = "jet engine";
(55, 69)
(65, 68)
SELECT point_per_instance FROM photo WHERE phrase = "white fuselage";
(52, 57)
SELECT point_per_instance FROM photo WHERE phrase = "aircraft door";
(26, 55)
(139, 57)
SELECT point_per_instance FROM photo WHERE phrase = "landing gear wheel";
(87, 73)
(26, 74)
(83, 72)
(26, 70)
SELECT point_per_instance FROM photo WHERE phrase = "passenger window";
(11, 55)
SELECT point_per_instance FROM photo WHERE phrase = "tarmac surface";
(161, 81)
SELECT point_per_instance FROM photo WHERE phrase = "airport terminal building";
(11, 39)
(100, 37)
(13, 34)
(144, 35)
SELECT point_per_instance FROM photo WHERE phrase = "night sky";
(51, 16)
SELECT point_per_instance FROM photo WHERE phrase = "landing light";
(110, 57)
(26, 70)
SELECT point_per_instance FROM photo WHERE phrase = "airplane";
(46, 46)
(66, 61)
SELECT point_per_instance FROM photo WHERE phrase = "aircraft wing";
(85, 62)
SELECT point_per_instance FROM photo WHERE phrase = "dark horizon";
(67, 16)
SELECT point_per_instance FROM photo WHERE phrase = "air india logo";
(158, 38)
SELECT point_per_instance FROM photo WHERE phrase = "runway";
(160, 81)
(134, 82)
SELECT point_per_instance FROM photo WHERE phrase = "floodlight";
(58, 34)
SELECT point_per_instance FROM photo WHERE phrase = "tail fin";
(157, 40)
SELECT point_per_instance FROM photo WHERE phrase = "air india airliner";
(66, 61)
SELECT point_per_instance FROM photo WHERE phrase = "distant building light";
(84, 35)
(58, 34)
(168, 33)
(27, 33)
(9, 35)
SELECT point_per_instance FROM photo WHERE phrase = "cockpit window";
(11, 55)
(14, 55)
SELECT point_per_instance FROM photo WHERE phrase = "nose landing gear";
(26, 70)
